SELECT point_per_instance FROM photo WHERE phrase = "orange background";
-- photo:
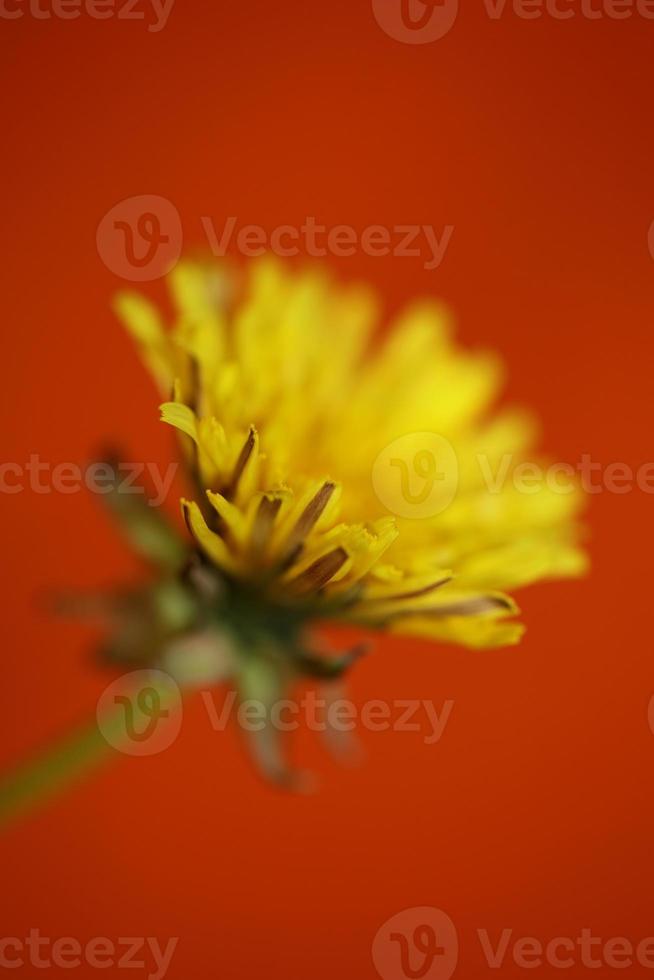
(532, 138)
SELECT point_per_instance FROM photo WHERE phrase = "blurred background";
(532, 140)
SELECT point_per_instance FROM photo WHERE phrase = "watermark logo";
(140, 713)
(416, 944)
(154, 13)
(417, 475)
(43, 477)
(145, 953)
(416, 21)
(316, 240)
(140, 239)
(339, 715)
(564, 952)
(423, 943)
(423, 21)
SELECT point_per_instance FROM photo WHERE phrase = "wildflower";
(283, 396)
(314, 450)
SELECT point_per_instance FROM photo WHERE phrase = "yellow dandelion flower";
(311, 444)
(334, 475)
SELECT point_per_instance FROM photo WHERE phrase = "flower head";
(341, 474)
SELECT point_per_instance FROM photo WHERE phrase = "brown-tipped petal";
(475, 606)
(414, 594)
(309, 516)
(264, 520)
(241, 462)
(316, 576)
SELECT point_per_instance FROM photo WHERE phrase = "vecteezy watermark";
(565, 952)
(423, 942)
(416, 21)
(140, 239)
(98, 953)
(318, 714)
(587, 474)
(420, 942)
(423, 21)
(318, 241)
(154, 13)
(43, 477)
(140, 714)
(568, 9)
(417, 475)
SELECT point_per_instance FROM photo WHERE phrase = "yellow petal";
(180, 417)
(210, 542)
(469, 631)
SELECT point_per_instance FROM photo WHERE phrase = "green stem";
(81, 751)
(35, 782)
